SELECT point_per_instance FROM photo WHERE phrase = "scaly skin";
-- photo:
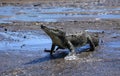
(62, 41)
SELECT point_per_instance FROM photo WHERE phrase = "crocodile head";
(52, 31)
(56, 35)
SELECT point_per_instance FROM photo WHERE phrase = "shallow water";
(24, 41)
(113, 44)
(15, 13)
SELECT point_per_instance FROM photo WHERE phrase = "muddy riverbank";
(22, 50)
(22, 42)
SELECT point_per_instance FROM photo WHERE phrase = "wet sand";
(22, 45)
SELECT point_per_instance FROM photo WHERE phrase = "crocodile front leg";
(52, 49)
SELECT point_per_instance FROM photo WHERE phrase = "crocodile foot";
(48, 50)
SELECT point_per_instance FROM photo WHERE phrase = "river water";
(24, 13)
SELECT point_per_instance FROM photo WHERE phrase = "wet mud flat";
(22, 42)
(22, 47)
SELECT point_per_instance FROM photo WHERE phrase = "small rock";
(22, 45)
(5, 29)
(25, 37)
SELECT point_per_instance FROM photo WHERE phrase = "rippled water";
(15, 13)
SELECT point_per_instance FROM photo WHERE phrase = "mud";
(22, 42)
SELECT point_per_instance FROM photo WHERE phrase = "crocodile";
(63, 41)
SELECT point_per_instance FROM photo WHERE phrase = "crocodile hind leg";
(71, 48)
(72, 54)
(90, 41)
